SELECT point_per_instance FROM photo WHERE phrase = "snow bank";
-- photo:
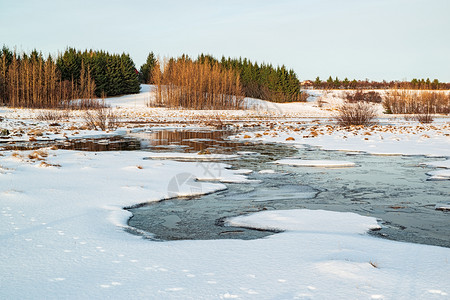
(439, 174)
(189, 156)
(443, 206)
(439, 164)
(304, 220)
(62, 237)
(315, 163)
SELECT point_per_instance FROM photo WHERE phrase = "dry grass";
(359, 113)
(53, 115)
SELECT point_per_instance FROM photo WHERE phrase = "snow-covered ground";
(132, 112)
(64, 232)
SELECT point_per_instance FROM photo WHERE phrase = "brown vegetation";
(35, 82)
(53, 115)
(183, 83)
(417, 102)
(360, 95)
(359, 113)
(101, 119)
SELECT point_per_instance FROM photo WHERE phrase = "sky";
(374, 39)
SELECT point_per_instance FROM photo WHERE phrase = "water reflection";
(112, 143)
(187, 140)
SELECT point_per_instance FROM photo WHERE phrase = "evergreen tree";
(261, 80)
(113, 74)
(337, 83)
(346, 83)
(147, 69)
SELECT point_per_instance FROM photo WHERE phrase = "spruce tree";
(147, 69)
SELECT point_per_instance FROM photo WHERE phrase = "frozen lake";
(393, 189)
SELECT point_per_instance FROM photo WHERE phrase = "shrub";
(101, 119)
(53, 115)
(359, 113)
(424, 118)
(359, 95)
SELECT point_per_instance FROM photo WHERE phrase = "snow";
(403, 139)
(315, 163)
(440, 164)
(243, 171)
(140, 100)
(303, 220)
(248, 153)
(443, 206)
(62, 232)
(268, 171)
(439, 174)
(190, 156)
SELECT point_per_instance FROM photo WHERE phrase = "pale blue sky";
(375, 39)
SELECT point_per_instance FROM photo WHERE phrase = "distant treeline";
(262, 81)
(73, 80)
(418, 84)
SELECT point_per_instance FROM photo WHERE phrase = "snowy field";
(64, 232)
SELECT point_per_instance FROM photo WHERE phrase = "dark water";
(112, 143)
(392, 188)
